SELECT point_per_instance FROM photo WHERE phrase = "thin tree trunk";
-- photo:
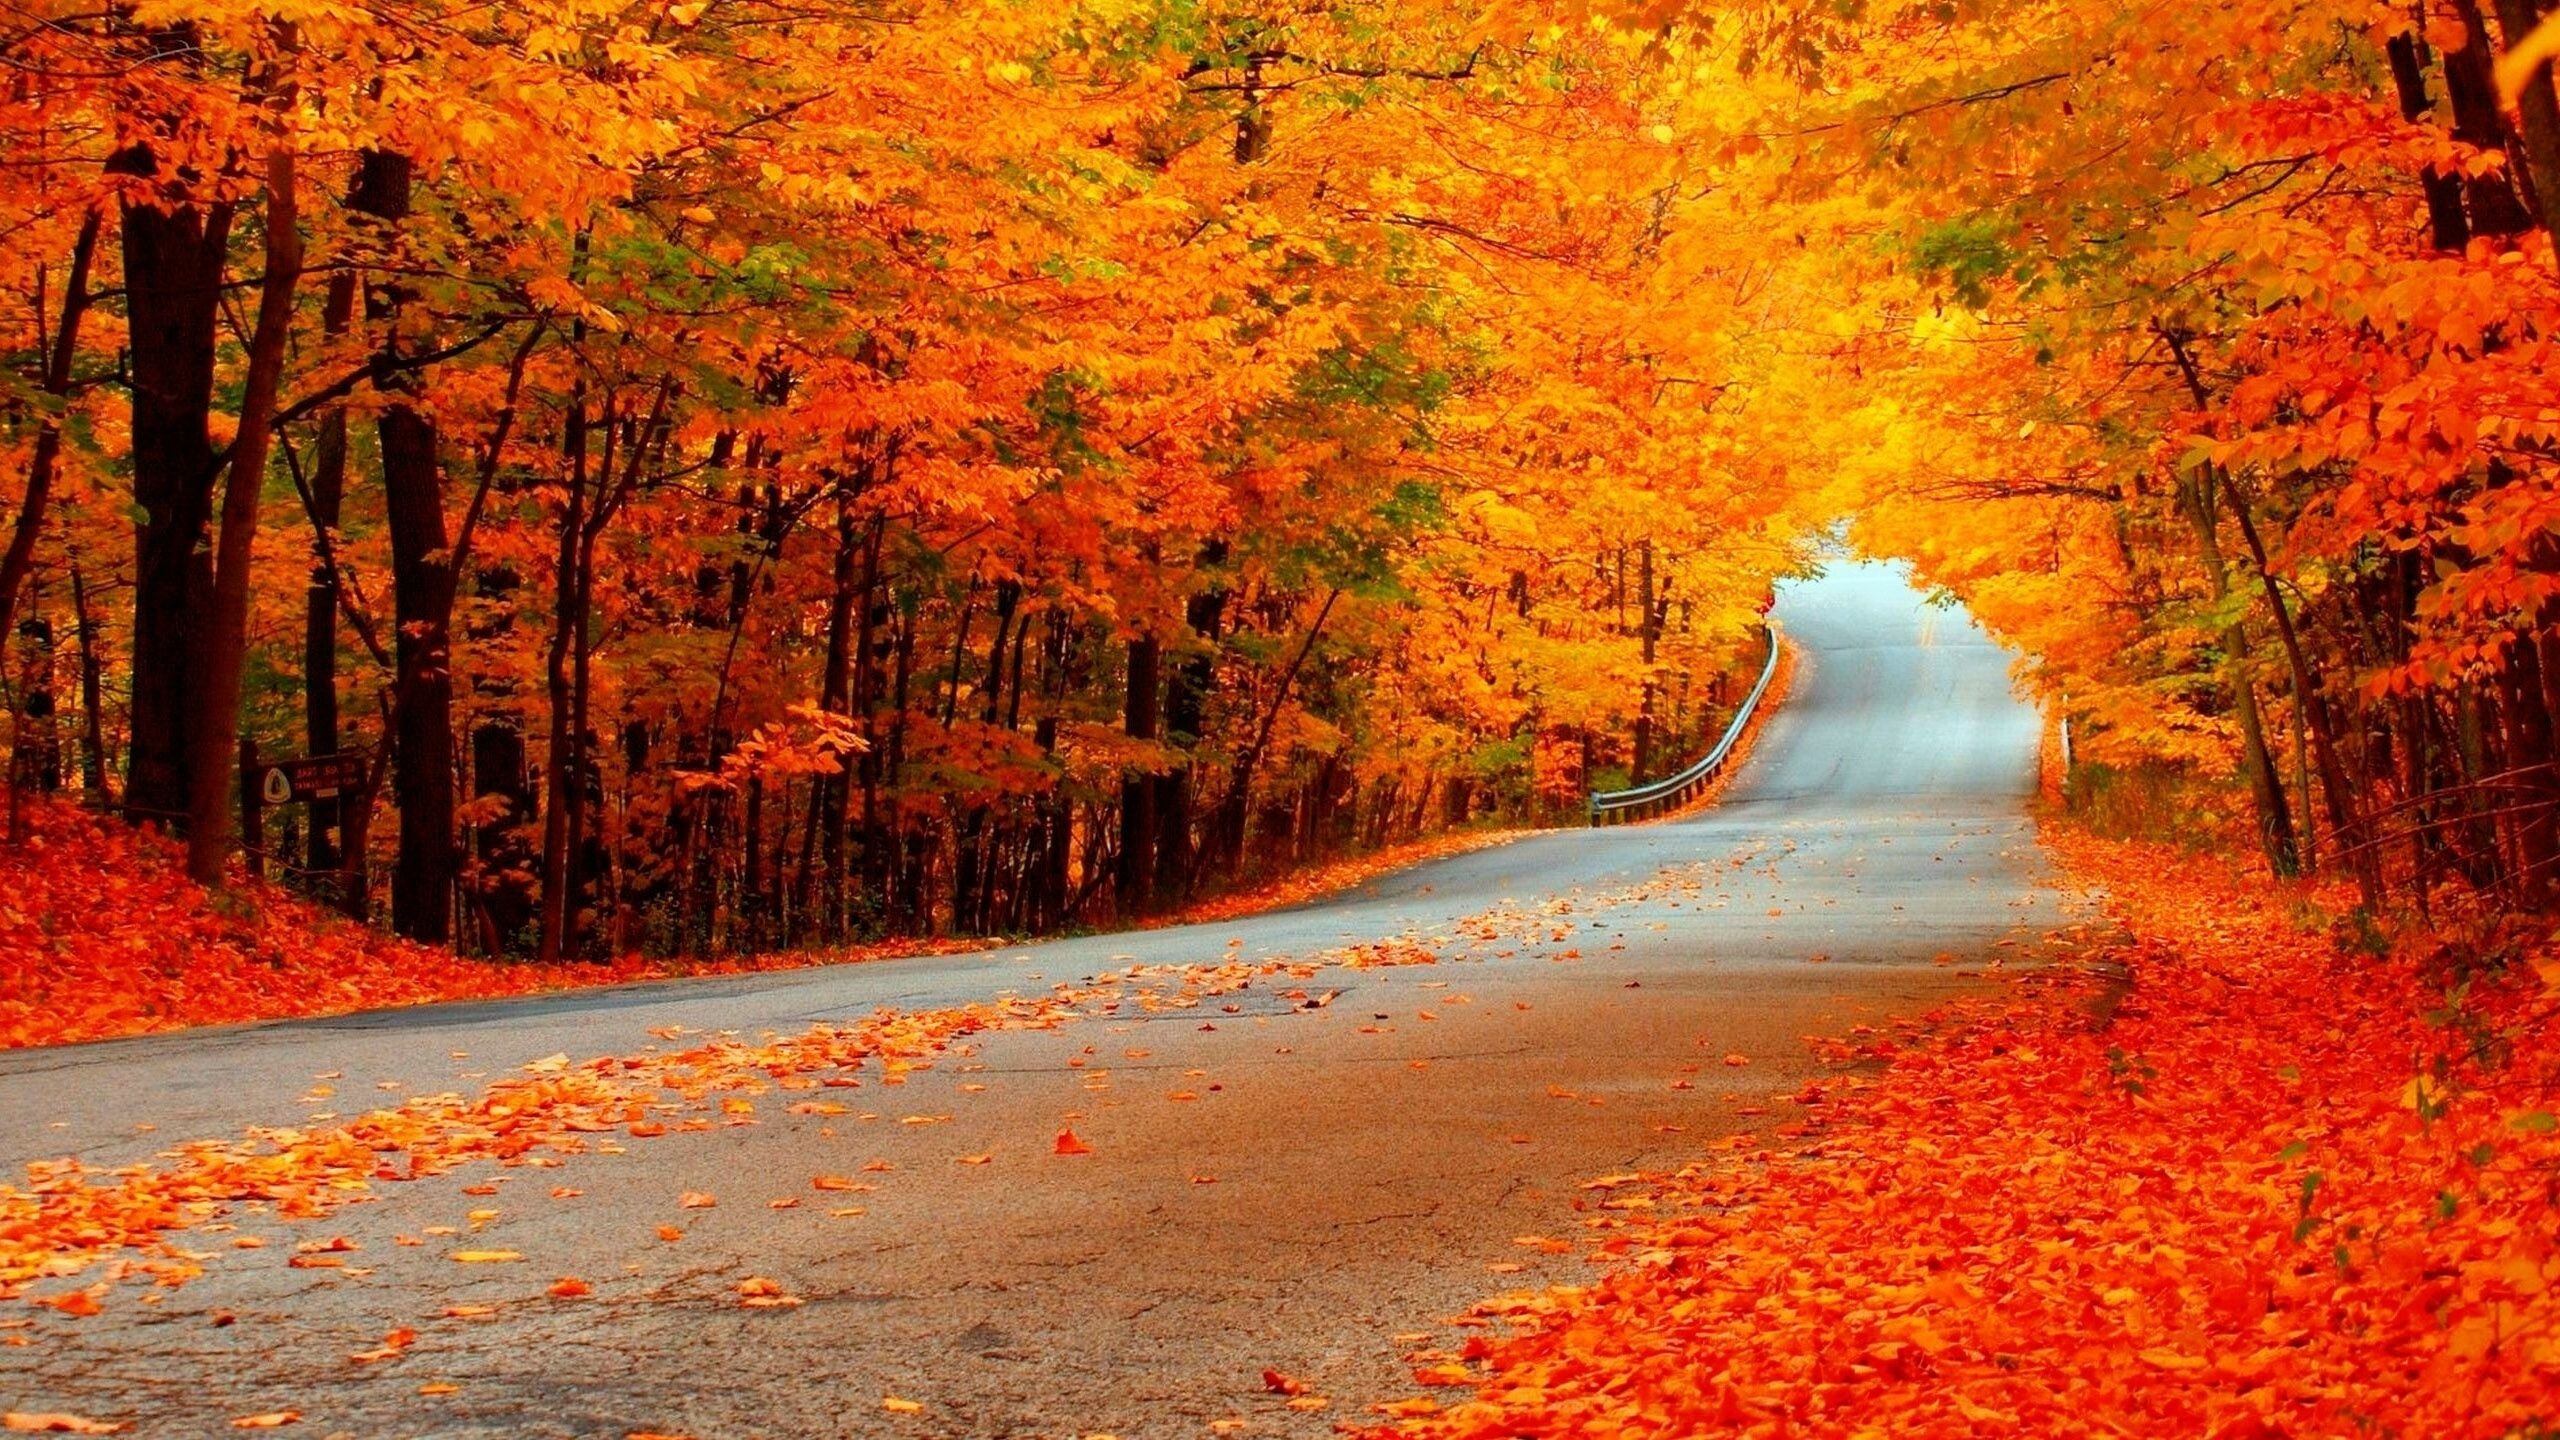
(93, 744)
(322, 599)
(216, 723)
(566, 619)
(1139, 716)
(2344, 814)
(21, 555)
(1234, 808)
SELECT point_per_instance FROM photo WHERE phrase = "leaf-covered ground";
(102, 934)
(2271, 1186)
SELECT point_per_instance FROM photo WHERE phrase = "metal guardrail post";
(1673, 790)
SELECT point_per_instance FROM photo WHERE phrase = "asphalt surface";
(1313, 1192)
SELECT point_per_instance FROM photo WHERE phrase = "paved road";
(1344, 1176)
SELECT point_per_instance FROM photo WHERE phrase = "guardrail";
(1673, 791)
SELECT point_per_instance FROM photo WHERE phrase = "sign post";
(253, 819)
(288, 782)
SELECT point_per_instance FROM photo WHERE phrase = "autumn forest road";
(1271, 1186)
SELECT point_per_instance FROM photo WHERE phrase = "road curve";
(1332, 1180)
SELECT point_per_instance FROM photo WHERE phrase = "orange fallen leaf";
(669, 1233)
(570, 1287)
(896, 1406)
(486, 1257)
(975, 1159)
(787, 1202)
(468, 1312)
(1068, 1144)
(1737, 1059)
(758, 1293)
(267, 1421)
(836, 1182)
(695, 1200)
(439, 1387)
(79, 1304)
(1279, 1384)
(54, 1422)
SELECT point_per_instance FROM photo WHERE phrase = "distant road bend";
(1335, 1179)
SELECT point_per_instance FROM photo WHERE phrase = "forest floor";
(2234, 1176)
(103, 936)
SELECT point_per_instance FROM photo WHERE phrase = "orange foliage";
(2282, 1190)
(102, 934)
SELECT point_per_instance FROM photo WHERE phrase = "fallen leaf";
(569, 1287)
(896, 1406)
(695, 1200)
(486, 1257)
(267, 1421)
(1068, 1144)
(54, 1422)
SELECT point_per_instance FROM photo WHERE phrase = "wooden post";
(253, 830)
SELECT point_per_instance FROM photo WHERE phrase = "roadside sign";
(314, 777)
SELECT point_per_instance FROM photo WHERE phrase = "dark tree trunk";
(1649, 638)
(93, 744)
(1140, 715)
(2445, 223)
(320, 722)
(20, 556)
(1186, 705)
(422, 740)
(2496, 207)
(173, 261)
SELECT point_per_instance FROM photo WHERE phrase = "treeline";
(2237, 331)
(731, 475)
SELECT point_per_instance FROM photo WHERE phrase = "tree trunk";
(422, 592)
(320, 602)
(1139, 716)
(2266, 787)
(215, 725)
(1649, 633)
(173, 261)
(1186, 705)
(93, 744)
(21, 555)
(2496, 208)
(2345, 816)
(1234, 814)
(2537, 110)
(568, 617)
(2445, 223)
